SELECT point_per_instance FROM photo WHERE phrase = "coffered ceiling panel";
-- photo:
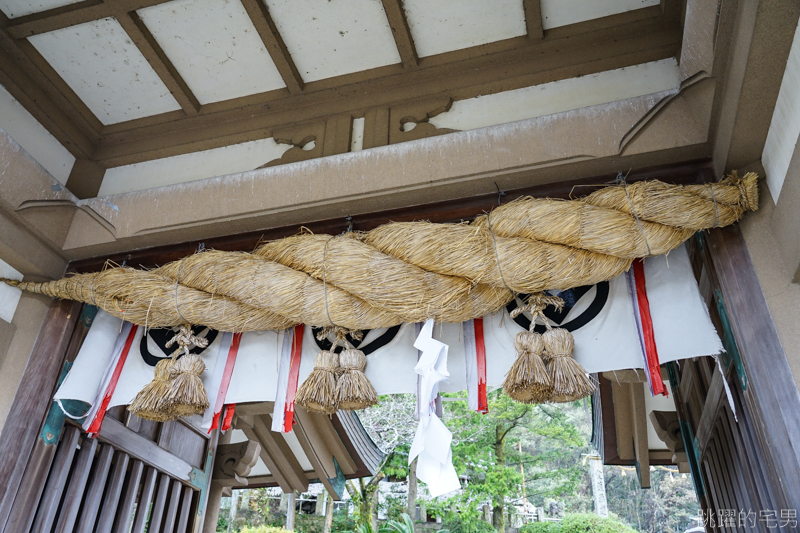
(329, 38)
(110, 75)
(439, 26)
(557, 13)
(20, 8)
(214, 47)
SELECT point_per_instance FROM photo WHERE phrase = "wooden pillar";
(215, 496)
(319, 508)
(328, 514)
(290, 504)
(32, 400)
(772, 393)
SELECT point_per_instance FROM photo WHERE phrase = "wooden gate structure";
(136, 475)
(440, 129)
(736, 418)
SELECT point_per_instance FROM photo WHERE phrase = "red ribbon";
(651, 351)
(97, 423)
(294, 374)
(226, 381)
(226, 423)
(480, 355)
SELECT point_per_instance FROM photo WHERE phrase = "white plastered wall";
(34, 138)
(784, 129)
(560, 96)
(190, 167)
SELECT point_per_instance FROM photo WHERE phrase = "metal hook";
(500, 193)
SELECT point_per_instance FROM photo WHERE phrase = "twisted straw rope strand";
(408, 272)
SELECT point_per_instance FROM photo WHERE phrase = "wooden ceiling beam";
(316, 451)
(401, 32)
(265, 26)
(72, 15)
(155, 56)
(44, 109)
(533, 19)
(538, 63)
(46, 95)
(248, 426)
(281, 453)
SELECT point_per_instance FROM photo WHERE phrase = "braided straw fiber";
(570, 380)
(318, 391)
(527, 380)
(353, 389)
(414, 271)
(149, 402)
(150, 300)
(186, 394)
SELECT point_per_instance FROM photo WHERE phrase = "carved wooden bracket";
(234, 461)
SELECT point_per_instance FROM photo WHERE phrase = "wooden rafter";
(73, 14)
(257, 115)
(612, 42)
(152, 52)
(247, 425)
(31, 80)
(265, 26)
(533, 19)
(401, 32)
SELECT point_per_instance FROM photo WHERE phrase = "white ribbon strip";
(105, 382)
(431, 446)
(284, 364)
(727, 388)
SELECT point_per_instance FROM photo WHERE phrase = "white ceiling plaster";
(439, 26)
(557, 13)
(562, 95)
(215, 48)
(260, 469)
(329, 38)
(297, 450)
(20, 8)
(105, 69)
(189, 167)
(34, 138)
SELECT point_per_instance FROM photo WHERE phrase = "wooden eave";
(607, 43)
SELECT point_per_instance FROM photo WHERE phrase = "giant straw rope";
(409, 272)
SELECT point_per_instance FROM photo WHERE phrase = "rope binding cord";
(338, 380)
(621, 181)
(496, 255)
(716, 206)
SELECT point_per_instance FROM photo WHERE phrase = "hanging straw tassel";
(318, 391)
(176, 389)
(353, 389)
(570, 380)
(186, 395)
(148, 402)
(527, 380)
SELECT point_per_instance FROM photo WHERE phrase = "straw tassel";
(186, 395)
(527, 380)
(318, 391)
(148, 402)
(177, 389)
(570, 380)
(353, 389)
